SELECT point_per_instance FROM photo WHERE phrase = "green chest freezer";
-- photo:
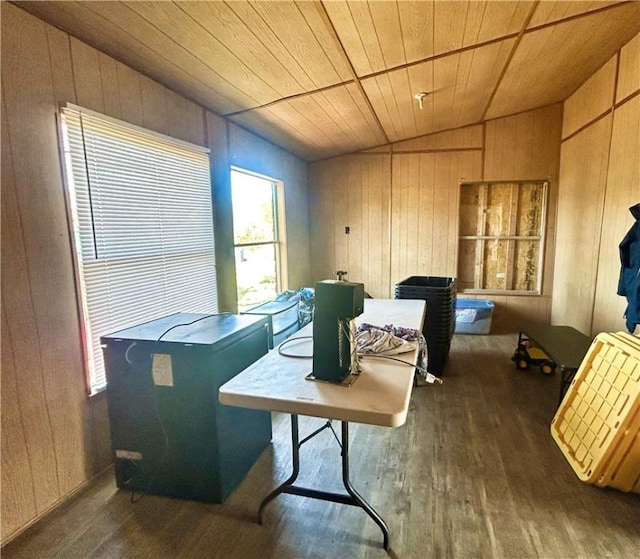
(169, 433)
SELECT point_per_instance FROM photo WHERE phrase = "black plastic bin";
(440, 320)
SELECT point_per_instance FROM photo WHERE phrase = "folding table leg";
(352, 497)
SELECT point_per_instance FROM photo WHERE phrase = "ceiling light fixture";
(420, 97)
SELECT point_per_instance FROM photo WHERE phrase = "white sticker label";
(162, 371)
(129, 454)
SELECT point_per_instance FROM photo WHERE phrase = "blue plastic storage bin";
(473, 316)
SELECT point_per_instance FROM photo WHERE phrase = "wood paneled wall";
(425, 211)
(622, 192)
(526, 146)
(232, 145)
(628, 76)
(591, 101)
(580, 211)
(54, 438)
(355, 192)
(254, 154)
(599, 181)
(415, 204)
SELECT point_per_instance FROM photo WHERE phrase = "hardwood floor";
(473, 473)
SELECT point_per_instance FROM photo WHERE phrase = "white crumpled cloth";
(381, 342)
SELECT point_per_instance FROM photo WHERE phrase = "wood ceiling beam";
(510, 57)
(356, 79)
(578, 16)
(290, 98)
(439, 56)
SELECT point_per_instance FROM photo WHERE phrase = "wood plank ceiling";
(326, 78)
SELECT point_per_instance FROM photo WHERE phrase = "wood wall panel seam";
(616, 81)
(342, 120)
(436, 150)
(314, 6)
(288, 98)
(113, 105)
(358, 105)
(587, 125)
(299, 39)
(626, 99)
(51, 65)
(629, 77)
(582, 191)
(353, 72)
(518, 113)
(230, 29)
(484, 150)
(510, 58)
(390, 234)
(60, 55)
(623, 191)
(606, 188)
(7, 169)
(439, 56)
(481, 123)
(580, 15)
(20, 132)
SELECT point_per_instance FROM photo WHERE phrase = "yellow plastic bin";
(597, 426)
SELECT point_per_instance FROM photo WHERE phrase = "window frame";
(277, 203)
(540, 238)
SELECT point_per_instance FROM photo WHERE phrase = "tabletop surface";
(379, 396)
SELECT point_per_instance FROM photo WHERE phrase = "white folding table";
(379, 396)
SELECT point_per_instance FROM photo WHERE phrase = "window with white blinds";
(141, 213)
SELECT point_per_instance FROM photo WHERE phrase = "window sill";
(99, 395)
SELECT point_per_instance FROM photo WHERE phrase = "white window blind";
(141, 212)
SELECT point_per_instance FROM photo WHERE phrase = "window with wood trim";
(140, 210)
(256, 236)
(501, 236)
